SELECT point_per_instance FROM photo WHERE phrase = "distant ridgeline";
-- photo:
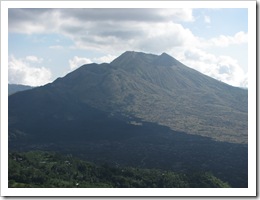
(13, 88)
(141, 110)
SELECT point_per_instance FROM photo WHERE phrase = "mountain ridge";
(13, 88)
(182, 98)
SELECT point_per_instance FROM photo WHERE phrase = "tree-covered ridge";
(37, 169)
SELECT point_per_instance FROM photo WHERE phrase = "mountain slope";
(140, 110)
(153, 88)
(185, 99)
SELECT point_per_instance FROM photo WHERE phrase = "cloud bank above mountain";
(110, 32)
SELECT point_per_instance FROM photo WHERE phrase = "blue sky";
(44, 44)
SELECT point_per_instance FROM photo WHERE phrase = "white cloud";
(104, 59)
(180, 14)
(245, 81)
(76, 62)
(223, 68)
(33, 59)
(207, 19)
(96, 30)
(163, 37)
(229, 71)
(20, 71)
(31, 21)
(224, 41)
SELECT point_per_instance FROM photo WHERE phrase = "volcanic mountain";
(141, 108)
(152, 88)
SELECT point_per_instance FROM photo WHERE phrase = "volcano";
(142, 109)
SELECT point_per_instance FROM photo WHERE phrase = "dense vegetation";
(45, 169)
(107, 140)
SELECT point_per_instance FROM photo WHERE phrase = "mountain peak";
(166, 60)
(137, 58)
(134, 54)
(132, 58)
(165, 54)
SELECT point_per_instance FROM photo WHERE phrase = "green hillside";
(37, 169)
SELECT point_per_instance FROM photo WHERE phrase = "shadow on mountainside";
(121, 141)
